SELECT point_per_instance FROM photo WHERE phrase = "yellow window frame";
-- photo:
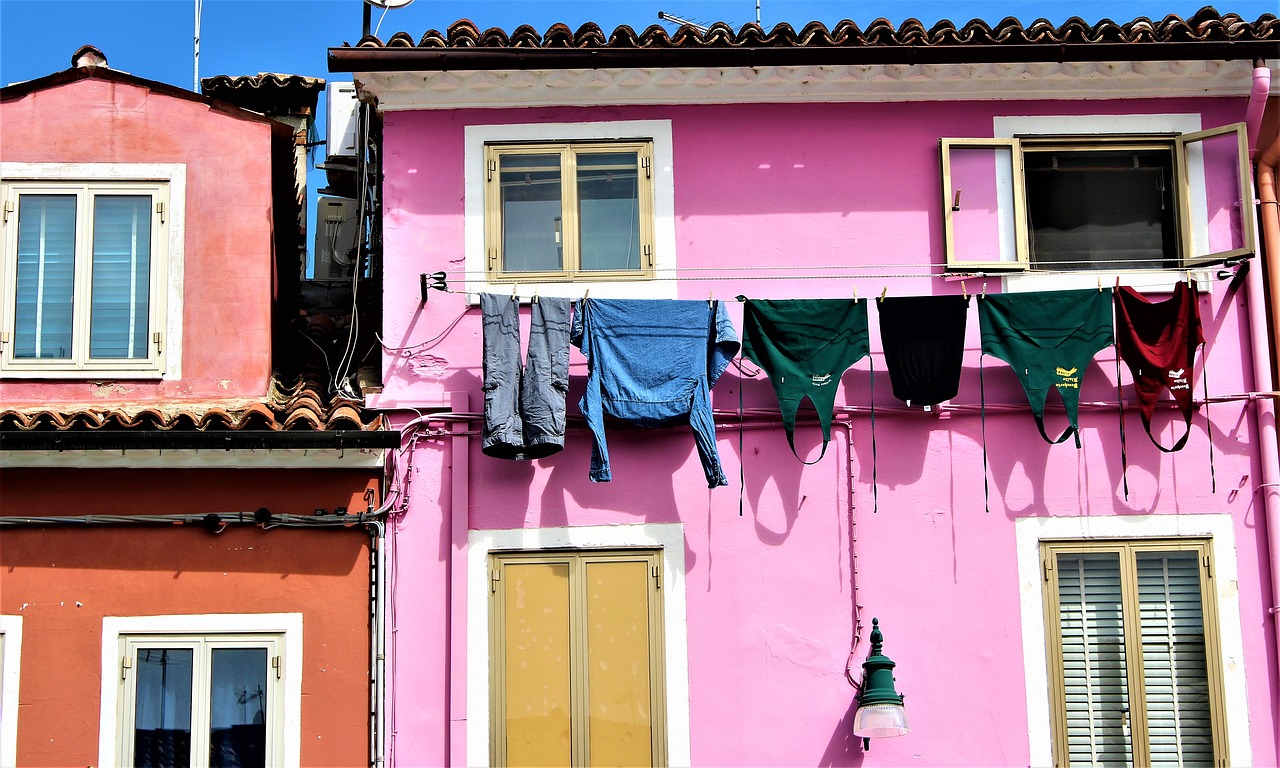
(1127, 550)
(576, 562)
(568, 153)
(954, 197)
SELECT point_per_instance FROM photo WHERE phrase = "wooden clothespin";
(585, 294)
(984, 290)
(514, 288)
(964, 289)
(711, 298)
(884, 293)
(1100, 283)
(855, 295)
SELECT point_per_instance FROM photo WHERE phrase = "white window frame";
(1007, 129)
(118, 629)
(165, 182)
(10, 675)
(1031, 531)
(669, 537)
(660, 286)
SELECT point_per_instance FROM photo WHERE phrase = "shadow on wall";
(844, 748)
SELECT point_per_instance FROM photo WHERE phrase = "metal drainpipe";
(1268, 166)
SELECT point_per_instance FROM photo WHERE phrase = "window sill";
(600, 289)
(82, 374)
(1153, 281)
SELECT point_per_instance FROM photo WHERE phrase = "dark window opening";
(1101, 209)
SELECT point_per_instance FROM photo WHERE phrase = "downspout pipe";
(1263, 345)
(1257, 102)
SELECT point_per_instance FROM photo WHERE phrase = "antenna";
(385, 5)
(664, 16)
(196, 63)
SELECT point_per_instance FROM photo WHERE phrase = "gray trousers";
(524, 408)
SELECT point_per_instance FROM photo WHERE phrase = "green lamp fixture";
(880, 712)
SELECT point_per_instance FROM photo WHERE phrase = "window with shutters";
(576, 649)
(10, 662)
(86, 275)
(1133, 657)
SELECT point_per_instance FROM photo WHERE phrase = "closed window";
(1133, 654)
(577, 658)
(201, 700)
(85, 278)
(569, 211)
(1070, 203)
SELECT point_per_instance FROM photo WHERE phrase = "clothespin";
(884, 293)
(535, 294)
(515, 287)
(855, 295)
(984, 290)
(1188, 277)
(1100, 283)
(964, 289)
(585, 294)
(711, 298)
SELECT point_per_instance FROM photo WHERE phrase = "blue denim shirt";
(653, 363)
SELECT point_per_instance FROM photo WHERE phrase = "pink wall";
(769, 593)
(227, 283)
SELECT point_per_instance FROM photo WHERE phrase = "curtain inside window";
(120, 308)
(45, 285)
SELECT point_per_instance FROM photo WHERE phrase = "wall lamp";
(880, 712)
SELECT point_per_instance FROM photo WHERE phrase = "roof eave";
(406, 59)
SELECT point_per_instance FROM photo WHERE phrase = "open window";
(1097, 202)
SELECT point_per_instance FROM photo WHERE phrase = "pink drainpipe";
(1264, 339)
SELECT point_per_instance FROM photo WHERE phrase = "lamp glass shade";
(878, 721)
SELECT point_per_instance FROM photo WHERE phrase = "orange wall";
(62, 581)
(227, 288)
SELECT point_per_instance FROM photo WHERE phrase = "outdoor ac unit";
(337, 237)
(342, 110)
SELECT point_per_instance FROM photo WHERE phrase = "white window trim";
(1099, 125)
(175, 176)
(11, 629)
(661, 286)
(1220, 530)
(669, 537)
(287, 624)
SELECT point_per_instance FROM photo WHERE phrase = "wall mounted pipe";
(1263, 346)
(1257, 102)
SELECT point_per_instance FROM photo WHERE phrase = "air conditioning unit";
(337, 237)
(342, 106)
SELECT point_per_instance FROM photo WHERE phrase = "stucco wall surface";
(226, 339)
(770, 592)
(62, 581)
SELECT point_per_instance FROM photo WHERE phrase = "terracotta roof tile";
(1206, 25)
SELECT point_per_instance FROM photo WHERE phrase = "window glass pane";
(618, 663)
(1174, 659)
(162, 708)
(237, 708)
(981, 198)
(1103, 209)
(536, 651)
(44, 309)
(532, 218)
(1093, 659)
(609, 210)
(121, 277)
(1217, 219)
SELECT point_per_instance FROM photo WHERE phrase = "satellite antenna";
(385, 5)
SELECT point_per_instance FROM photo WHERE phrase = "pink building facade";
(811, 173)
